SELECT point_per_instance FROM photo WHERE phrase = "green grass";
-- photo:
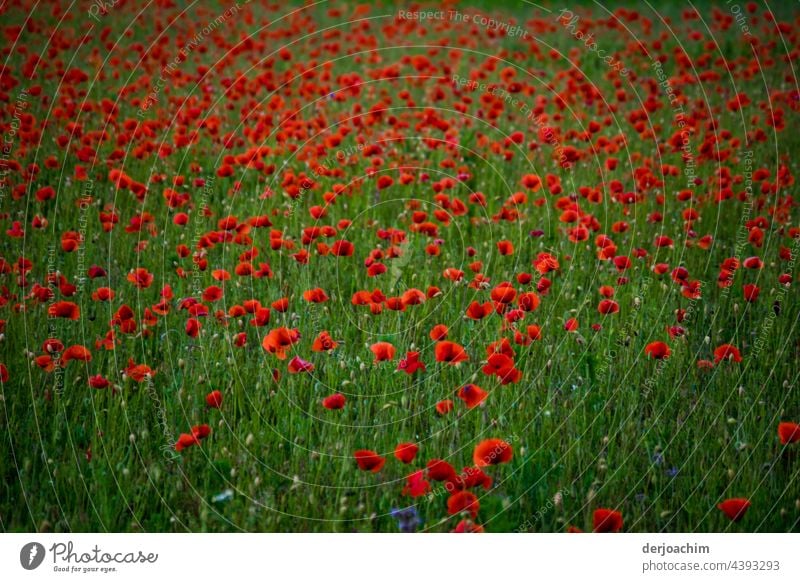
(583, 424)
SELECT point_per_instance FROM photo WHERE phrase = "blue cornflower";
(407, 519)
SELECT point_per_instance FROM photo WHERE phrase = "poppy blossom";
(141, 278)
(98, 382)
(298, 365)
(478, 311)
(753, 263)
(369, 460)
(472, 395)
(416, 485)
(103, 294)
(474, 477)
(64, 309)
(76, 352)
(727, 352)
(504, 293)
(405, 452)
(198, 433)
(439, 470)
(323, 343)
(789, 433)
(657, 350)
(463, 501)
(751, 293)
(315, 295)
(450, 352)
(383, 351)
(444, 407)
(212, 293)
(439, 332)
(279, 340)
(607, 307)
(138, 372)
(528, 301)
(214, 399)
(52, 346)
(258, 206)
(411, 363)
(606, 521)
(334, 401)
(502, 366)
(185, 441)
(492, 451)
(735, 508)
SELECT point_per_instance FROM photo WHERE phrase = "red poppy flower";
(103, 294)
(262, 316)
(528, 301)
(727, 352)
(323, 343)
(315, 295)
(473, 477)
(444, 407)
(298, 365)
(505, 247)
(214, 399)
(492, 451)
(405, 452)
(789, 433)
(279, 340)
(369, 460)
(383, 351)
(334, 401)
(753, 263)
(65, 309)
(52, 346)
(735, 508)
(98, 382)
(76, 352)
(342, 248)
(141, 278)
(185, 441)
(439, 470)
(463, 501)
(439, 332)
(416, 485)
(503, 293)
(751, 292)
(212, 293)
(606, 521)
(450, 352)
(138, 372)
(607, 307)
(658, 350)
(192, 327)
(411, 363)
(472, 395)
(478, 311)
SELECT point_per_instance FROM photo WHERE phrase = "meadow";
(355, 267)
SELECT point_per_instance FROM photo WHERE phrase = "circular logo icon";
(31, 555)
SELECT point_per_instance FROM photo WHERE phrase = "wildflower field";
(380, 267)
